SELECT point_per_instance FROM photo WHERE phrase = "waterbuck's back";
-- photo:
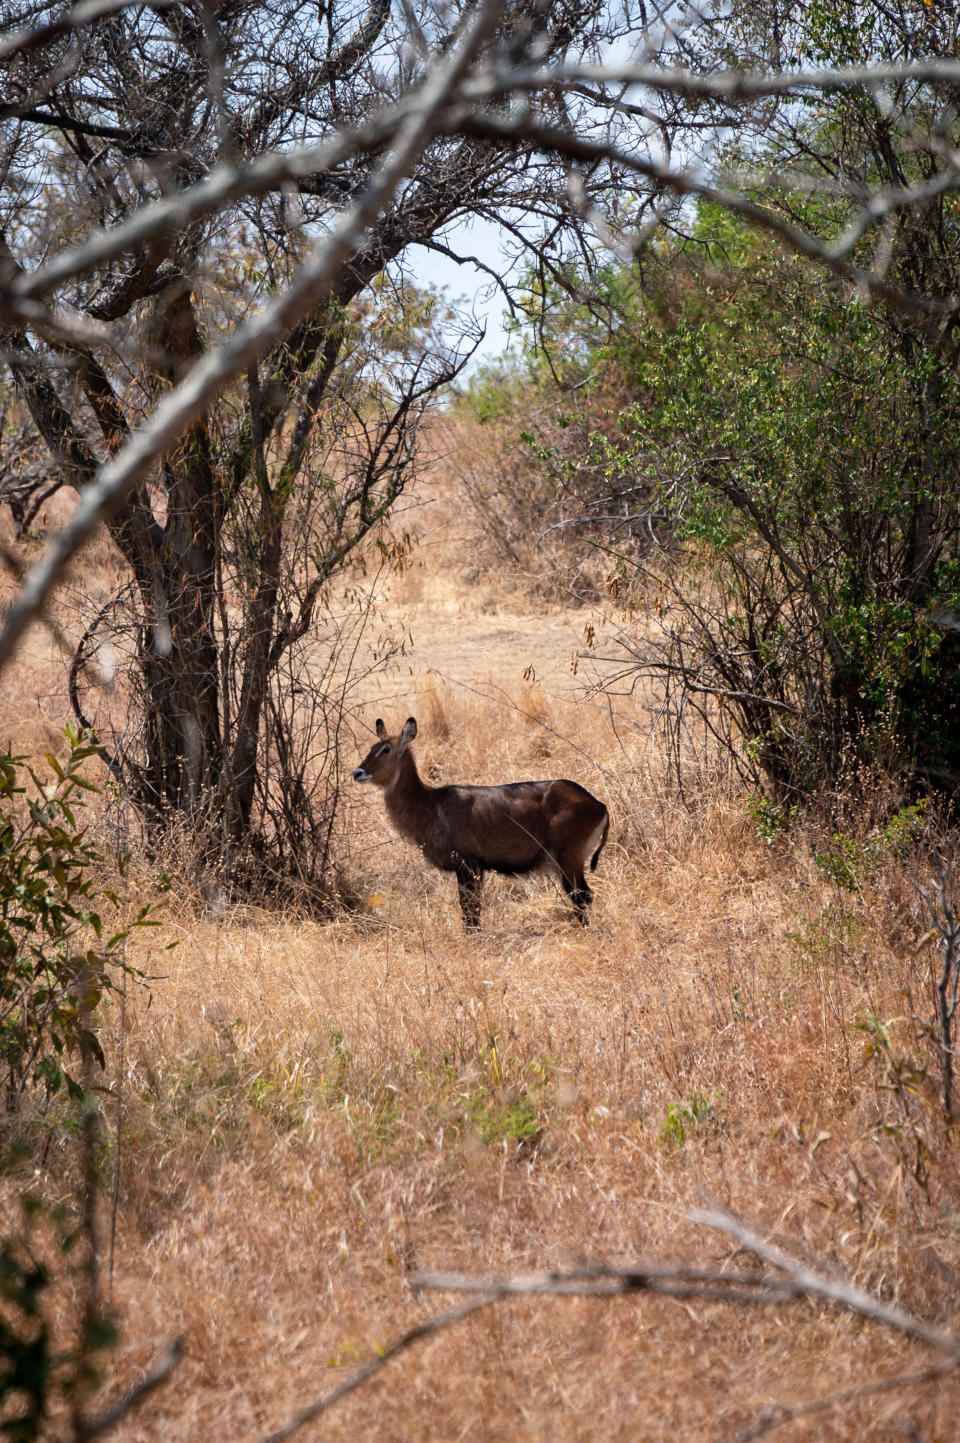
(516, 827)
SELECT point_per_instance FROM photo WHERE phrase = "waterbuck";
(471, 830)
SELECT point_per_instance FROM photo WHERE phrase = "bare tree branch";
(684, 183)
(228, 182)
(718, 1285)
(249, 341)
(175, 212)
(721, 1285)
(732, 85)
(834, 1290)
(80, 16)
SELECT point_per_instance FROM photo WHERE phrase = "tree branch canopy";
(188, 203)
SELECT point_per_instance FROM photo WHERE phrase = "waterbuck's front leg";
(469, 888)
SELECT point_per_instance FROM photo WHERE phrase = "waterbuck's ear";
(381, 729)
(408, 733)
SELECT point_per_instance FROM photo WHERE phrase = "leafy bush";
(55, 963)
(684, 1117)
(783, 487)
(848, 860)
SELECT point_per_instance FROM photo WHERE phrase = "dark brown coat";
(517, 827)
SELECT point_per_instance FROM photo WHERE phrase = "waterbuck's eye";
(383, 751)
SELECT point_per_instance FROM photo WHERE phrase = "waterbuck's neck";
(410, 804)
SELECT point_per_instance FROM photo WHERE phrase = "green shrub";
(683, 1117)
(55, 963)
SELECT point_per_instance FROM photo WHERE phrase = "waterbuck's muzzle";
(359, 775)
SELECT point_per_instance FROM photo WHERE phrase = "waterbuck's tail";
(606, 828)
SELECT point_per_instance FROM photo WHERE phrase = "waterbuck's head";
(381, 765)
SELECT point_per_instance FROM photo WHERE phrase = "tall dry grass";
(309, 1113)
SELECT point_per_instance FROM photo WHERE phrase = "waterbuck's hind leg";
(579, 893)
(469, 889)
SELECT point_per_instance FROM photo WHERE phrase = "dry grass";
(316, 1112)
(309, 1113)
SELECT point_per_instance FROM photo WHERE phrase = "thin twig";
(367, 1370)
(777, 1414)
(716, 1285)
(96, 1427)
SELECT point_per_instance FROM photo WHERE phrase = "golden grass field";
(309, 1113)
